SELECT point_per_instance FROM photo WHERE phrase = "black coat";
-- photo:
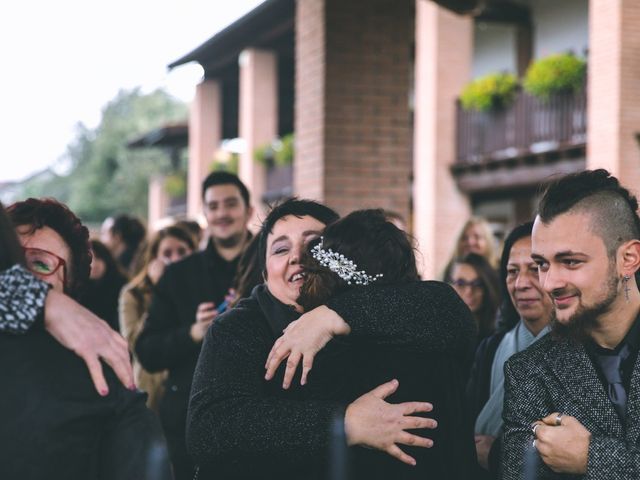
(240, 426)
(165, 342)
(54, 425)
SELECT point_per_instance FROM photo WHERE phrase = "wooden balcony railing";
(528, 126)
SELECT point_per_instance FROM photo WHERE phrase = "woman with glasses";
(54, 424)
(26, 295)
(473, 278)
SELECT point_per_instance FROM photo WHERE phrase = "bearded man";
(574, 396)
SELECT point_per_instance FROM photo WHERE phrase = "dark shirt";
(632, 339)
(101, 297)
(165, 342)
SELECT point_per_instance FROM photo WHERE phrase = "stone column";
(158, 202)
(444, 48)
(205, 134)
(258, 117)
(613, 89)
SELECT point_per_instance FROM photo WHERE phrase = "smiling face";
(285, 244)
(575, 270)
(227, 214)
(527, 296)
(47, 240)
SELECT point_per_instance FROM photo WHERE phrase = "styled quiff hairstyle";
(611, 207)
(48, 212)
(374, 244)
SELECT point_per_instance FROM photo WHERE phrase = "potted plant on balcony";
(556, 74)
(277, 156)
(489, 92)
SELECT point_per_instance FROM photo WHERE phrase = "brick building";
(370, 88)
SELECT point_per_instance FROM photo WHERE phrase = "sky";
(64, 60)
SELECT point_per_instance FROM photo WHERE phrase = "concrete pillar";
(205, 135)
(353, 119)
(444, 46)
(258, 116)
(613, 92)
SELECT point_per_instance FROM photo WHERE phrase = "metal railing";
(529, 125)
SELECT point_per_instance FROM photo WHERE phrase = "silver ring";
(534, 444)
(559, 419)
(535, 426)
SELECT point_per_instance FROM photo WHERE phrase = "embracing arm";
(22, 299)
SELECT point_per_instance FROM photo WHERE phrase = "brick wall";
(353, 123)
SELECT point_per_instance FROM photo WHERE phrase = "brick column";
(158, 201)
(353, 122)
(205, 134)
(444, 46)
(258, 116)
(613, 92)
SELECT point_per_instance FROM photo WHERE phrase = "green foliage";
(175, 185)
(489, 92)
(558, 73)
(230, 163)
(279, 152)
(106, 177)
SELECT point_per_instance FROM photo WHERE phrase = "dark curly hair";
(374, 244)
(48, 212)
(10, 250)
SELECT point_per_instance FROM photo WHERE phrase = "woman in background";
(105, 282)
(477, 283)
(169, 245)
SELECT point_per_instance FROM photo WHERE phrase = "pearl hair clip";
(342, 266)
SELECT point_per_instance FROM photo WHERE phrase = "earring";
(625, 282)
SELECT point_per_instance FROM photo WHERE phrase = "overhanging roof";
(171, 135)
(267, 20)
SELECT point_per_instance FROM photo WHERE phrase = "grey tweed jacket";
(557, 375)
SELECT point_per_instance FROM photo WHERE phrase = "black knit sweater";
(241, 426)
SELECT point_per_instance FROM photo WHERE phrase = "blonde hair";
(485, 229)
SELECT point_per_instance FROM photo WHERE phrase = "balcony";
(529, 132)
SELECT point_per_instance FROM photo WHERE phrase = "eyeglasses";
(44, 263)
(461, 283)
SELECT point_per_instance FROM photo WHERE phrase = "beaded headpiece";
(342, 266)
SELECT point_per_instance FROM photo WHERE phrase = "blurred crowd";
(310, 349)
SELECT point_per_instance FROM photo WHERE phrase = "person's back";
(55, 425)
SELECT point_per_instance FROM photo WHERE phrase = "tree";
(106, 177)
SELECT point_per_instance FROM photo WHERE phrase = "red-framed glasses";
(44, 263)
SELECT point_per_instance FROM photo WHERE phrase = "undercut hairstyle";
(372, 243)
(226, 178)
(10, 249)
(297, 208)
(613, 210)
(509, 316)
(48, 212)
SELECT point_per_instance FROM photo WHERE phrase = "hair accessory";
(342, 266)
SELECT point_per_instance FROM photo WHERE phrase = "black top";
(101, 297)
(632, 339)
(54, 425)
(242, 427)
(166, 344)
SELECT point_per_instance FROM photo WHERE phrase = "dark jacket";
(243, 427)
(54, 425)
(101, 297)
(166, 344)
(558, 376)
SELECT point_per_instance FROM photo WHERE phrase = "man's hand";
(565, 447)
(303, 339)
(204, 317)
(483, 447)
(371, 422)
(90, 338)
